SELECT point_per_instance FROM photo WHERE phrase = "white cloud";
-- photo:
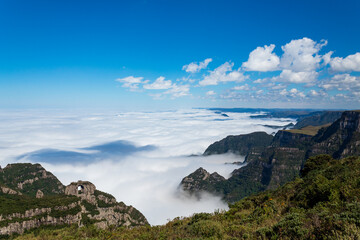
(262, 59)
(284, 92)
(243, 87)
(292, 93)
(223, 73)
(278, 86)
(196, 67)
(210, 93)
(178, 90)
(313, 93)
(327, 58)
(301, 55)
(343, 82)
(261, 80)
(131, 81)
(350, 63)
(296, 77)
(160, 83)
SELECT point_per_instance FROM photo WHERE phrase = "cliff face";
(341, 139)
(282, 160)
(240, 144)
(277, 164)
(202, 180)
(79, 203)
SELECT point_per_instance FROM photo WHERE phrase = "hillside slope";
(319, 205)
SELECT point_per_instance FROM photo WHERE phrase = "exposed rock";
(20, 227)
(83, 189)
(39, 194)
(7, 190)
(27, 181)
(202, 180)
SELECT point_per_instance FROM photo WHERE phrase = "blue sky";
(179, 54)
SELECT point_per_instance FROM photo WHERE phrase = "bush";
(207, 229)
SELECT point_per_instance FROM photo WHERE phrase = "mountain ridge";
(281, 161)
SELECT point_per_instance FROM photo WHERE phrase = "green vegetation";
(19, 204)
(92, 209)
(20, 173)
(109, 196)
(324, 203)
(241, 144)
(308, 130)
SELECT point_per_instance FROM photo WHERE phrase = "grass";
(308, 130)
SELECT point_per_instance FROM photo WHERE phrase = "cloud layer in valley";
(139, 157)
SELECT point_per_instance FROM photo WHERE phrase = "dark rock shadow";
(115, 150)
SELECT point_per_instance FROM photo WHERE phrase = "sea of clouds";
(139, 157)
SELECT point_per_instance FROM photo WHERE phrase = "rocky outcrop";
(7, 190)
(28, 178)
(82, 204)
(83, 189)
(20, 227)
(202, 180)
(39, 194)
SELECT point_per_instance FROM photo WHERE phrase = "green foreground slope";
(322, 204)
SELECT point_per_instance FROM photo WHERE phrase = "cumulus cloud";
(292, 93)
(210, 93)
(243, 87)
(284, 92)
(350, 63)
(223, 73)
(327, 58)
(160, 83)
(131, 82)
(343, 82)
(313, 93)
(196, 67)
(301, 55)
(296, 77)
(146, 178)
(261, 80)
(262, 59)
(178, 90)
